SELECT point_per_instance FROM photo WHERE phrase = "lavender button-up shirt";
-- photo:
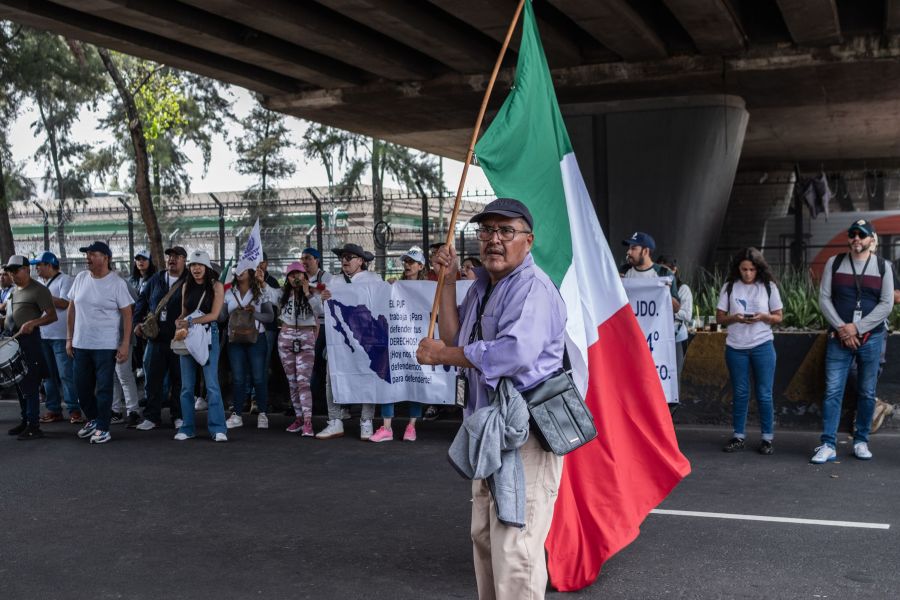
(523, 327)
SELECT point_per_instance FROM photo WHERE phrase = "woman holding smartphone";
(749, 304)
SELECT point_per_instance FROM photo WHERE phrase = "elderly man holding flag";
(609, 485)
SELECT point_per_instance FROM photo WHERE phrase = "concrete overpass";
(696, 84)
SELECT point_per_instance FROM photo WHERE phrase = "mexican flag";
(609, 485)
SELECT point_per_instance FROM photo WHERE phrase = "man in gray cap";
(30, 307)
(494, 335)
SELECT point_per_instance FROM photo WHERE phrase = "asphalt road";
(271, 515)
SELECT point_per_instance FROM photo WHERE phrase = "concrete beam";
(79, 26)
(712, 25)
(312, 26)
(492, 18)
(616, 25)
(419, 25)
(892, 15)
(220, 36)
(812, 22)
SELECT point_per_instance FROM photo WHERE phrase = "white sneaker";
(861, 451)
(178, 423)
(200, 403)
(334, 429)
(182, 436)
(824, 454)
(365, 429)
(262, 421)
(345, 414)
(220, 437)
(233, 421)
(146, 425)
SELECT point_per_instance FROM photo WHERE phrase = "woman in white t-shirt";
(749, 304)
(248, 361)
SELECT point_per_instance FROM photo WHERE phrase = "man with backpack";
(856, 296)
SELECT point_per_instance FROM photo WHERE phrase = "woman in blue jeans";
(203, 292)
(749, 304)
(248, 360)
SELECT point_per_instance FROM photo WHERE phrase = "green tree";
(61, 80)
(261, 151)
(158, 110)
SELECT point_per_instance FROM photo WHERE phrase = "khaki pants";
(509, 562)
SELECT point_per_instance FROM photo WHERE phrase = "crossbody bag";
(150, 325)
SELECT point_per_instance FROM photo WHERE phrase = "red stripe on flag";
(610, 485)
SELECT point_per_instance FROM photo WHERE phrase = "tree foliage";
(60, 80)
(261, 151)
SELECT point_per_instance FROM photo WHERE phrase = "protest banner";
(651, 302)
(372, 331)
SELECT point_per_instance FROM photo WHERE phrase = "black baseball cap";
(862, 226)
(505, 207)
(176, 250)
(97, 246)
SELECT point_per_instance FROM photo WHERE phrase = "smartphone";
(748, 316)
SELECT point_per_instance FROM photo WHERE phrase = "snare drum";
(13, 367)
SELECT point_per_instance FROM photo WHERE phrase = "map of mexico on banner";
(651, 302)
(372, 331)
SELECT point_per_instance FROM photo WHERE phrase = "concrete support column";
(665, 166)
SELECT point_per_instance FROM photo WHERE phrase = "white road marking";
(712, 515)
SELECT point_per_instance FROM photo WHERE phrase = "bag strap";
(238, 300)
(168, 296)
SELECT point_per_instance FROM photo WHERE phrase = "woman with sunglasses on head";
(248, 359)
(354, 269)
(202, 292)
(300, 310)
(749, 304)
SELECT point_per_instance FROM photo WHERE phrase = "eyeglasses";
(348, 257)
(506, 233)
(856, 235)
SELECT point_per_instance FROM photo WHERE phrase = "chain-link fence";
(220, 223)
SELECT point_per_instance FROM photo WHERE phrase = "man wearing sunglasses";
(856, 296)
(510, 325)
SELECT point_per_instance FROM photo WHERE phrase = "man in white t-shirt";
(99, 336)
(60, 382)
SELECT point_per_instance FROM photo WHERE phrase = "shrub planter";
(799, 382)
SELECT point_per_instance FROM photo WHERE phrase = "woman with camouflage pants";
(300, 309)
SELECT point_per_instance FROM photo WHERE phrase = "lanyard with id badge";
(462, 381)
(857, 313)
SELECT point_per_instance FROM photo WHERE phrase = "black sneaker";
(735, 445)
(133, 420)
(765, 447)
(18, 428)
(116, 418)
(431, 414)
(32, 432)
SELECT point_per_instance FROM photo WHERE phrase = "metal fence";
(220, 224)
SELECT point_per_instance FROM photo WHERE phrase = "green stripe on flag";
(522, 149)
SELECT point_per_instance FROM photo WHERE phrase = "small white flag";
(253, 252)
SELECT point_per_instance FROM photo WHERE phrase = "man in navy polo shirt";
(855, 296)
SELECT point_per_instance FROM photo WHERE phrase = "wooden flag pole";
(469, 153)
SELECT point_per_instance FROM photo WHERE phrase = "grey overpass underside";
(820, 78)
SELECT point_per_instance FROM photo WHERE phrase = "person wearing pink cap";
(300, 311)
